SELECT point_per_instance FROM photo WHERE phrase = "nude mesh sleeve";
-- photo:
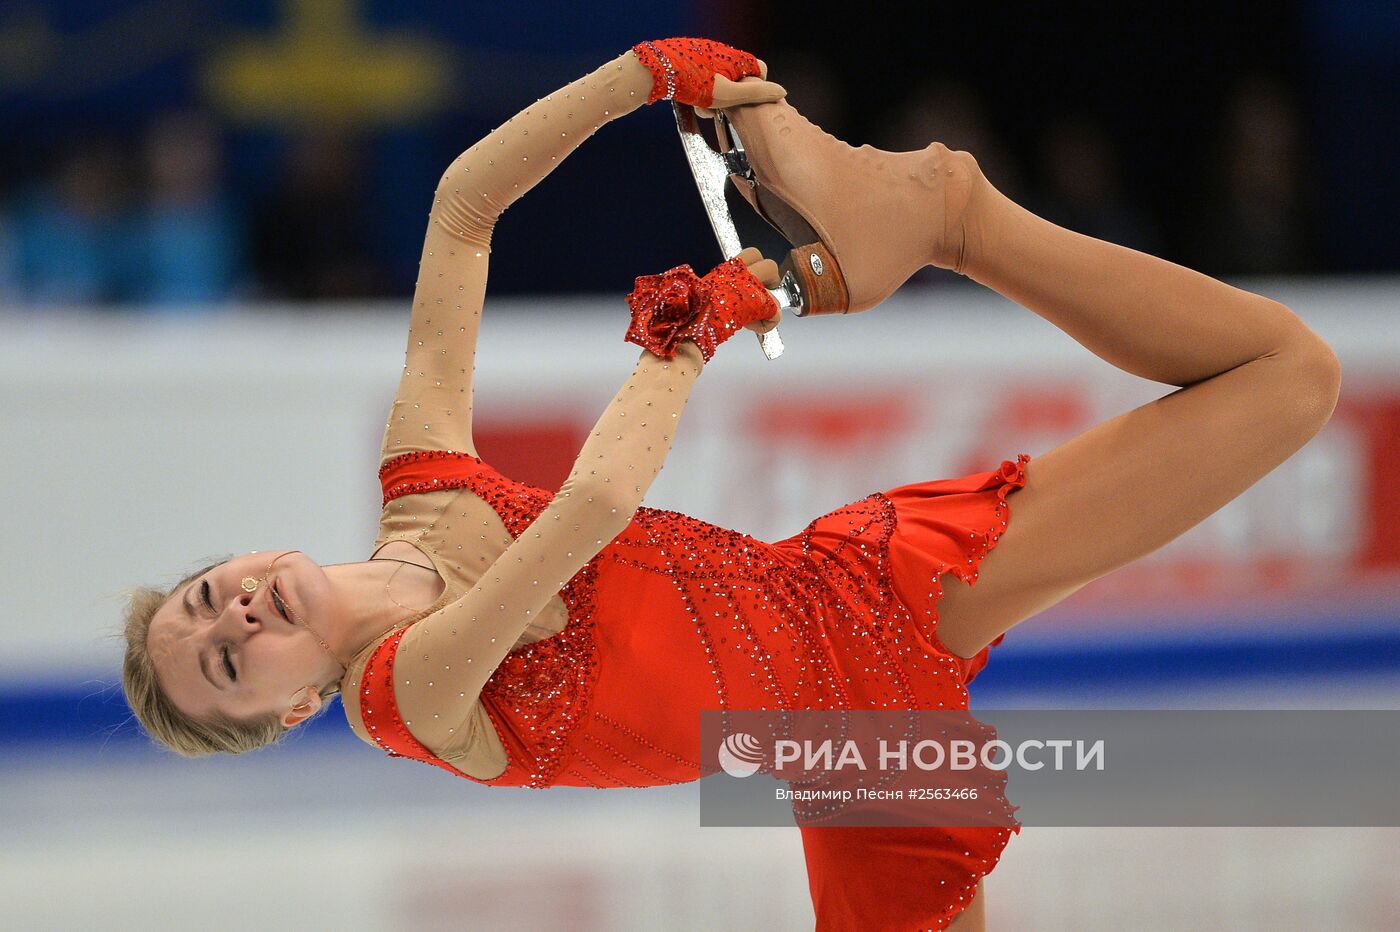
(432, 409)
(445, 659)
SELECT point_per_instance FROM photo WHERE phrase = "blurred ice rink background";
(141, 445)
(204, 271)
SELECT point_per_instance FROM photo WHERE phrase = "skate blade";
(711, 170)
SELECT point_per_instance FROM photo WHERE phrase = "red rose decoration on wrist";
(676, 306)
(662, 307)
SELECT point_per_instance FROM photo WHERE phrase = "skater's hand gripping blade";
(711, 170)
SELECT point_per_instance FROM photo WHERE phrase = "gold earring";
(249, 584)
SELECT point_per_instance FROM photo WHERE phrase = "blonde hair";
(167, 725)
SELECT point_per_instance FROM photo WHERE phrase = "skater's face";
(220, 649)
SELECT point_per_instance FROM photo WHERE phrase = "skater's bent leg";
(1129, 485)
(1261, 384)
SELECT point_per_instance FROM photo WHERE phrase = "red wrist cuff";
(663, 72)
(684, 70)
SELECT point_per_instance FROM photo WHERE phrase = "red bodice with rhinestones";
(676, 615)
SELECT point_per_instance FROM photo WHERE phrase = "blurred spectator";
(9, 263)
(1253, 223)
(948, 111)
(189, 237)
(1083, 189)
(811, 87)
(73, 234)
(312, 238)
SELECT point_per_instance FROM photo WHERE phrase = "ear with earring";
(305, 702)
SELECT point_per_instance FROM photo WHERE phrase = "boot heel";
(822, 285)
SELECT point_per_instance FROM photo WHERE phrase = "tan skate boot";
(862, 220)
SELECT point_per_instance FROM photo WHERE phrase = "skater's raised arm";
(432, 409)
(443, 661)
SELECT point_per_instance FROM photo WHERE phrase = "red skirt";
(918, 877)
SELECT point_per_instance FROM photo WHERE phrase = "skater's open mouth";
(278, 602)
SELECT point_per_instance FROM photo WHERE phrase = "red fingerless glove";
(675, 306)
(684, 70)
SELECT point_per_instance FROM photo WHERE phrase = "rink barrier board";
(93, 712)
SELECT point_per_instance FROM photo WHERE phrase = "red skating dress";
(675, 616)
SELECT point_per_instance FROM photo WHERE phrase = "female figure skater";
(517, 637)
